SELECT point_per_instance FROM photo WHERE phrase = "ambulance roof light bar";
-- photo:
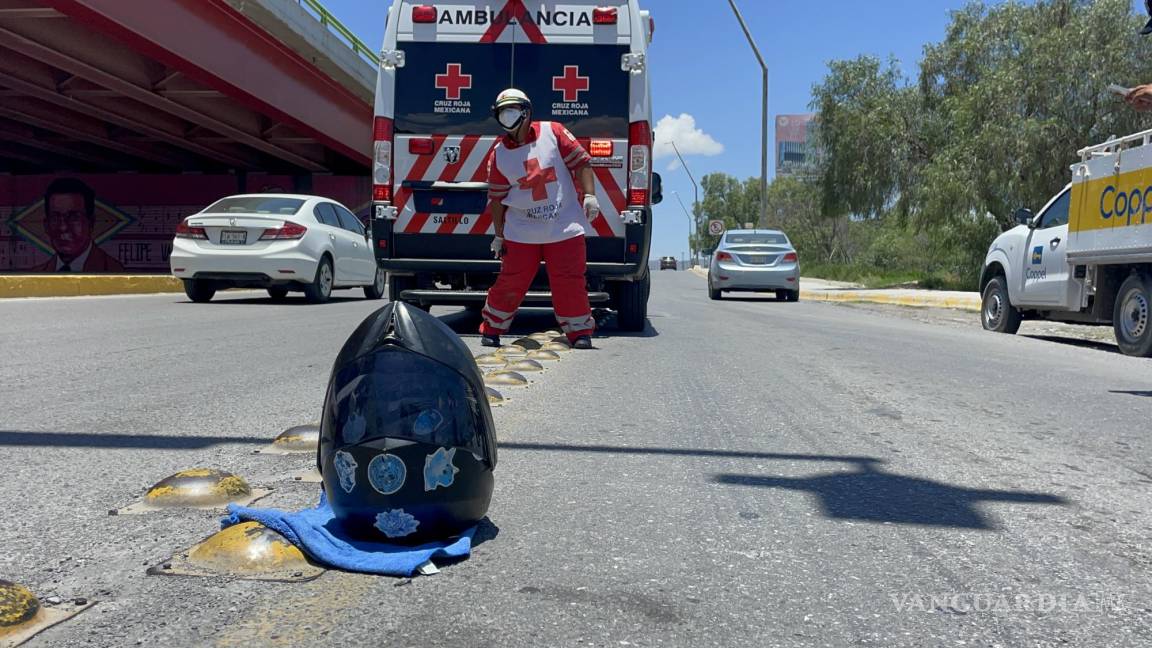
(424, 14)
(604, 16)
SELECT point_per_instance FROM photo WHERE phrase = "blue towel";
(311, 531)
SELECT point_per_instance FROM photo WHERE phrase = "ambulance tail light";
(600, 148)
(639, 163)
(382, 159)
(604, 16)
(421, 146)
(424, 14)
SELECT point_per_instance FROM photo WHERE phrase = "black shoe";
(490, 340)
(582, 342)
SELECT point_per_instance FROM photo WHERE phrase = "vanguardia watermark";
(1000, 602)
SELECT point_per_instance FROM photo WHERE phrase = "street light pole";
(695, 192)
(764, 117)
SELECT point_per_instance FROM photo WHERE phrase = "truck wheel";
(320, 289)
(1132, 317)
(375, 290)
(199, 290)
(997, 312)
(632, 304)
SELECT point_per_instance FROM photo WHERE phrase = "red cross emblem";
(453, 81)
(537, 179)
(571, 83)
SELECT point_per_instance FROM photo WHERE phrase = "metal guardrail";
(329, 21)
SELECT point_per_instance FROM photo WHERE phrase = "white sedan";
(281, 242)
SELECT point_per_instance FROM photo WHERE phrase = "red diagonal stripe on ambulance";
(466, 147)
(514, 9)
(416, 173)
(448, 174)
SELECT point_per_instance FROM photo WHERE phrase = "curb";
(922, 299)
(86, 285)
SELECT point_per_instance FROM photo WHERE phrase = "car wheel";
(278, 292)
(199, 290)
(376, 290)
(713, 293)
(996, 311)
(792, 296)
(1132, 316)
(632, 303)
(320, 289)
(781, 295)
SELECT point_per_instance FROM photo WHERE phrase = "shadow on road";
(1146, 394)
(872, 495)
(126, 441)
(683, 452)
(291, 300)
(757, 299)
(466, 323)
(1084, 344)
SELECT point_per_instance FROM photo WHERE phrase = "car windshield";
(756, 239)
(256, 205)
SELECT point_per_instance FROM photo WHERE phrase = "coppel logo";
(1114, 202)
(1038, 255)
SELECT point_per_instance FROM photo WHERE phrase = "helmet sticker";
(396, 523)
(345, 467)
(426, 424)
(386, 473)
(355, 427)
(439, 470)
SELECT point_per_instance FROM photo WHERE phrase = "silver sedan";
(755, 261)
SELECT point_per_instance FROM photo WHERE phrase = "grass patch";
(872, 277)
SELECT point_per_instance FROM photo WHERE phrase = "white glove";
(591, 207)
(497, 247)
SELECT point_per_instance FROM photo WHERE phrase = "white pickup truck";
(1087, 256)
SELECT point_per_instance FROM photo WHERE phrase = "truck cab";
(583, 64)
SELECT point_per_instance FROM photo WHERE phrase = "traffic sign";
(716, 227)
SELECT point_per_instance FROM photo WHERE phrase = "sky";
(706, 81)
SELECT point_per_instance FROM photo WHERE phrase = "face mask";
(510, 118)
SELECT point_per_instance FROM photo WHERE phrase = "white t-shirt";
(543, 203)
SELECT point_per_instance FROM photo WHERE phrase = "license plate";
(233, 237)
(757, 259)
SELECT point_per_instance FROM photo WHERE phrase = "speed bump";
(525, 366)
(512, 351)
(198, 488)
(540, 355)
(505, 378)
(556, 346)
(528, 344)
(491, 360)
(248, 551)
(23, 617)
(494, 397)
(299, 439)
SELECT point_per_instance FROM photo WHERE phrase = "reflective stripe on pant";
(566, 262)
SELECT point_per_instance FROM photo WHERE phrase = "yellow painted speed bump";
(525, 366)
(528, 344)
(540, 355)
(494, 397)
(23, 617)
(505, 378)
(491, 360)
(249, 551)
(200, 488)
(299, 439)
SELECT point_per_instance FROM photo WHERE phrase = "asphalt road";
(746, 473)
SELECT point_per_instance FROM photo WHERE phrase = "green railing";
(322, 14)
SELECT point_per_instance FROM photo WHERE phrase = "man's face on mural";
(68, 225)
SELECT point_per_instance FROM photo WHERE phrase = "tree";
(728, 199)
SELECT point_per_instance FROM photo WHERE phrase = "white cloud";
(689, 139)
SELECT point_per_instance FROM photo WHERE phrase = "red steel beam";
(32, 49)
(204, 39)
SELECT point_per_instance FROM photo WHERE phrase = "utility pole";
(695, 205)
(690, 224)
(764, 117)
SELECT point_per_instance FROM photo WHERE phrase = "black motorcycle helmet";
(407, 446)
(1147, 27)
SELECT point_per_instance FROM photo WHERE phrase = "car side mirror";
(1024, 216)
(657, 189)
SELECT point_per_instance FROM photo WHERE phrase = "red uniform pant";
(566, 263)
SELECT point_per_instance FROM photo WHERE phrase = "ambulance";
(583, 63)
(1087, 256)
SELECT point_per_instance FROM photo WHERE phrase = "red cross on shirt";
(537, 179)
(571, 83)
(453, 81)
